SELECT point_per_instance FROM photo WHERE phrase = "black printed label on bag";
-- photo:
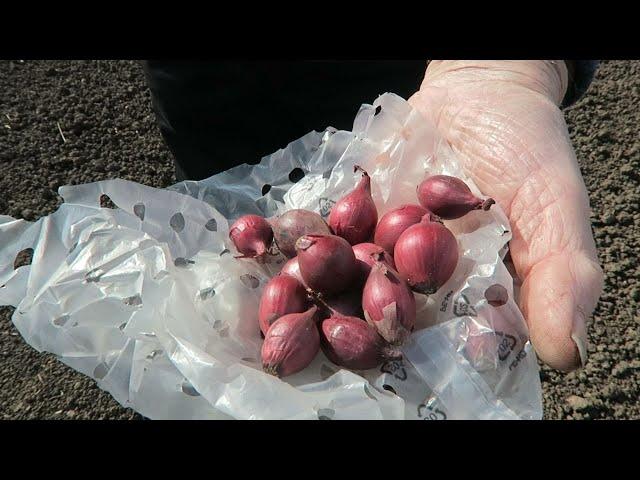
(325, 206)
(430, 413)
(522, 354)
(445, 301)
(506, 346)
(462, 307)
(395, 368)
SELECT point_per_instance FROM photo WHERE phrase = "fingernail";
(579, 336)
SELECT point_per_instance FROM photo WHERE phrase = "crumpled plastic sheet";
(148, 299)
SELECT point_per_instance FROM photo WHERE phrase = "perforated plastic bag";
(149, 301)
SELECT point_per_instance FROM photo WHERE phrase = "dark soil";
(604, 130)
(103, 110)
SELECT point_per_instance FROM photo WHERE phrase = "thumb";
(557, 296)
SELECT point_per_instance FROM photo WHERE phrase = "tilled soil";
(71, 122)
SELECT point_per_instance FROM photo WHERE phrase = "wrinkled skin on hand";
(502, 120)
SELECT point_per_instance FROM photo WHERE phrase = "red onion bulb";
(291, 343)
(449, 197)
(292, 225)
(352, 343)
(396, 221)
(354, 216)
(282, 295)
(327, 263)
(252, 235)
(389, 304)
(366, 255)
(426, 255)
(292, 268)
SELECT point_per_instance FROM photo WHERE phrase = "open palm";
(503, 121)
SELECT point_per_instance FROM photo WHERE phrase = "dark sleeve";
(215, 115)
(581, 73)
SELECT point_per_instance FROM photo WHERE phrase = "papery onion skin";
(351, 342)
(396, 221)
(389, 304)
(366, 256)
(283, 294)
(327, 263)
(354, 216)
(449, 197)
(426, 256)
(291, 343)
(252, 235)
(293, 224)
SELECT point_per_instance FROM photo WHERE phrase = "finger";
(525, 161)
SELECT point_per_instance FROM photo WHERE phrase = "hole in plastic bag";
(154, 354)
(24, 257)
(73, 247)
(207, 293)
(249, 359)
(182, 262)
(217, 324)
(224, 252)
(296, 175)
(106, 202)
(60, 321)
(177, 222)
(138, 210)
(188, 389)
(134, 300)
(389, 388)
(326, 413)
(328, 133)
(221, 327)
(249, 280)
(496, 295)
(93, 276)
(212, 225)
(101, 371)
(265, 188)
(122, 326)
(377, 111)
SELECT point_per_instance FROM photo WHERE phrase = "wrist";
(581, 74)
(547, 77)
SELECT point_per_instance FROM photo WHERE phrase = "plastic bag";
(149, 301)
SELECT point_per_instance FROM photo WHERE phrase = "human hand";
(503, 121)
